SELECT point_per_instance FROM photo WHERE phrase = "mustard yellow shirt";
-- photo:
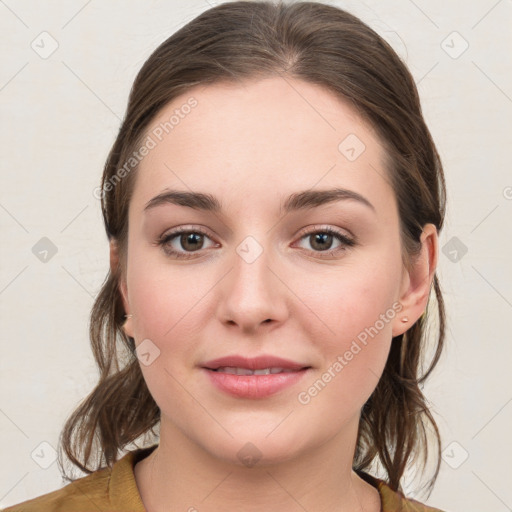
(115, 490)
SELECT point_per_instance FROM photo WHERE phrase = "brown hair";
(323, 45)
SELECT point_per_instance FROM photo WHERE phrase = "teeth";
(263, 371)
(245, 371)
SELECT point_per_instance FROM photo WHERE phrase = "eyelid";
(184, 229)
(315, 228)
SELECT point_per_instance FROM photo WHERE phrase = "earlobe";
(128, 326)
(416, 282)
(121, 285)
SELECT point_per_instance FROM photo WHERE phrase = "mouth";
(233, 370)
(261, 365)
(254, 378)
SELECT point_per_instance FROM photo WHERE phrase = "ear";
(116, 270)
(417, 282)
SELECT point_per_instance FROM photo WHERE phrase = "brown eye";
(191, 241)
(183, 242)
(321, 242)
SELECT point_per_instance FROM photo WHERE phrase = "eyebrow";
(304, 200)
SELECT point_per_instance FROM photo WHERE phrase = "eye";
(183, 242)
(321, 241)
(191, 240)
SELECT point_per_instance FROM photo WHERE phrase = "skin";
(252, 145)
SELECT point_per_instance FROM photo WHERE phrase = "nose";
(253, 295)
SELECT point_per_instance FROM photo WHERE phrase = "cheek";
(349, 317)
(167, 326)
(172, 318)
(172, 313)
(165, 296)
(346, 301)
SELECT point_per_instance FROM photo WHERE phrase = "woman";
(273, 202)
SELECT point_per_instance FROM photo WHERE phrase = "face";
(260, 275)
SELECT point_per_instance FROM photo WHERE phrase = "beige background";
(60, 116)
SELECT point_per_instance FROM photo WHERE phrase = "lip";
(254, 363)
(254, 386)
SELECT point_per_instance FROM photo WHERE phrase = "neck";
(181, 475)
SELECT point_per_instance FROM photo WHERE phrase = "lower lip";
(254, 386)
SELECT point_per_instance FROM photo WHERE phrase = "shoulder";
(107, 489)
(400, 503)
(395, 501)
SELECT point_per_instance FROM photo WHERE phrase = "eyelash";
(166, 238)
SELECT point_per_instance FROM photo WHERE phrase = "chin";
(251, 449)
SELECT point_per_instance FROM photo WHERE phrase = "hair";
(249, 40)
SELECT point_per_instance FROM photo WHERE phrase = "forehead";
(261, 140)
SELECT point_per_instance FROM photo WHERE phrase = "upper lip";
(253, 363)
